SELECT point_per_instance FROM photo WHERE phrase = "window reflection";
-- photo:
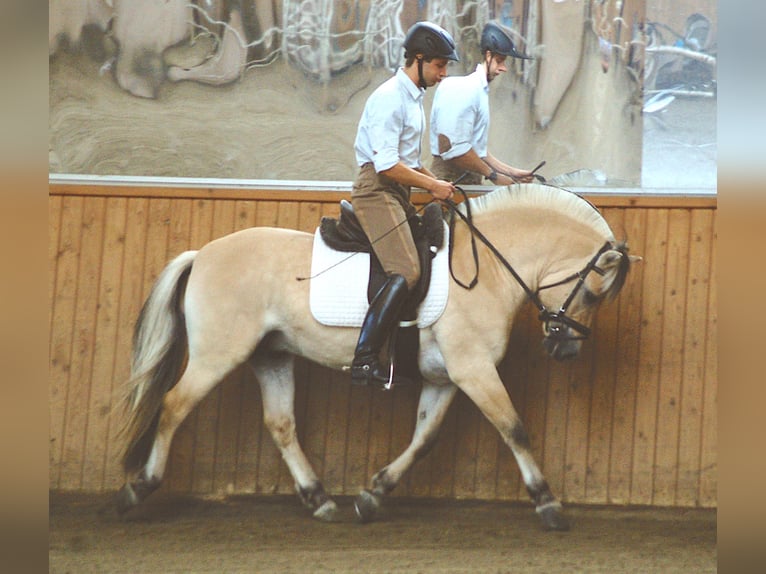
(621, 93)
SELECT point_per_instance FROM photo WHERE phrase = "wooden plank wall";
(632, 421)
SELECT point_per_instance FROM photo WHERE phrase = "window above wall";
(274, 93)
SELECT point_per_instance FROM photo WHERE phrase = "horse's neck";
(537, 243)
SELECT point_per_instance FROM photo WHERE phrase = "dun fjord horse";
(237, 300)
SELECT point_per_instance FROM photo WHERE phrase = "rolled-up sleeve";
(384, 131)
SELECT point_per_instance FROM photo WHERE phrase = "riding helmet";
(430, 40)
(497, 40)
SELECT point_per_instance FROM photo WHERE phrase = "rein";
(545, 315)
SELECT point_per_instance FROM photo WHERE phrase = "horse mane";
(544, 197)
(567, 203)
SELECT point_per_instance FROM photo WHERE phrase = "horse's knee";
(282, 429)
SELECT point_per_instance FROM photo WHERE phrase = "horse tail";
(159, 353)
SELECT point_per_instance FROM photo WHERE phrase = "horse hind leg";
(195, 383)
(274, 371)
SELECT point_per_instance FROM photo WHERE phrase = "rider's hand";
(523, 176)
(442, 189)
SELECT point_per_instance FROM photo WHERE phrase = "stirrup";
(371, 374)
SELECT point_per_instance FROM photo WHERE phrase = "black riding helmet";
(498, 40)
(431, 41)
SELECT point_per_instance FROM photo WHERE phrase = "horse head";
(578, 296)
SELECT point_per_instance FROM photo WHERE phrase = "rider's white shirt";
(460, 111)
(392, 123)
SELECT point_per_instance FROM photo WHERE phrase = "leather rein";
(553, 320)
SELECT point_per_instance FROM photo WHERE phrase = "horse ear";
(609, 259)
(635, 258)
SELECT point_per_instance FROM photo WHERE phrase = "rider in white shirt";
(388, 150)
(460, 118)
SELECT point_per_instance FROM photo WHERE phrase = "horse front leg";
(432, 407)
(486, 390)
(274, 372)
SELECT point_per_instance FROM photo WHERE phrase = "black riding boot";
(382, 316)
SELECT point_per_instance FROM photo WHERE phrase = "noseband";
(553, 321)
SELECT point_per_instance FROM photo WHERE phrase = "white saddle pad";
(338, 292)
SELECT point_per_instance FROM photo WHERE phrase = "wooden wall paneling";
(672, 359)
(628, 339)
(57, 386)
(359, 417)
(267, 213)
(62, 331)
(102, 396)
(694, 347)
(83, 342)
(606, 355)
(288, 214)
(708, 480)
(54, 233)
(650, 351)
(580, 389)
(557, 406)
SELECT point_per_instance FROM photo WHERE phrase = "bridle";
(553, 321)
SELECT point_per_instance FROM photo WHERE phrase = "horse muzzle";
(562, 349)
(561, 341)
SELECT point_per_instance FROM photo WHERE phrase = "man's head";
(431, 47)
(496, 45)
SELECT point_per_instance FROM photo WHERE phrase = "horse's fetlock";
(382, 483)
(313, 496)
(540, 494)
(144, 486)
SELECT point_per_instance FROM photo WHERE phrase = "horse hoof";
(553, 518)
(366, 506)
(327, 512)
(126, 499)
